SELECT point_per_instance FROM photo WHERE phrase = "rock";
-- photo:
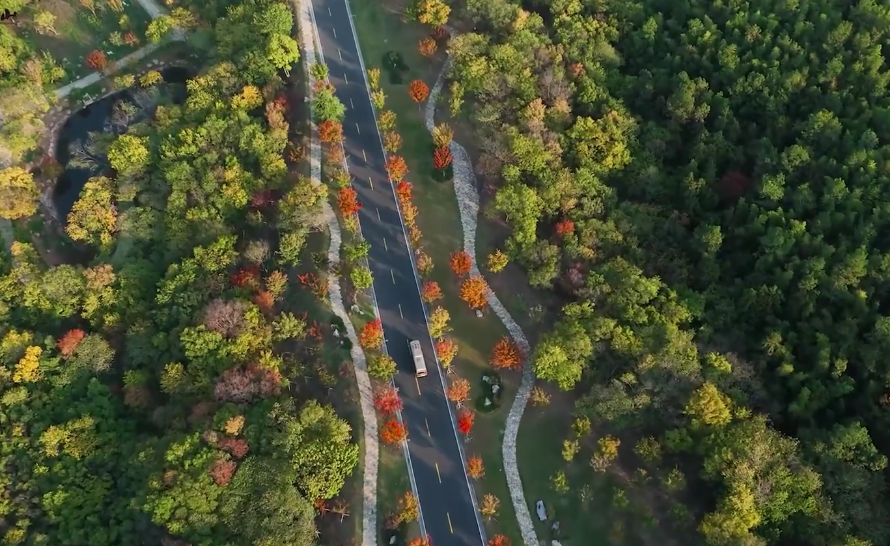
(540, 510)
(495, 388)
(479, 313)
(486, 403)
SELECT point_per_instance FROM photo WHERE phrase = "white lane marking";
(378, 210)
(351, 104)
(393, 275)
(329, 12)
(335, 32)
(372, 187)
(345, 78)
(403, 316)
(364, 155)
(357, 129)
(339, 54)
(386, 248)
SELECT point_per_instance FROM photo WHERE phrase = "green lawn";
(439, 221)
(78, 32)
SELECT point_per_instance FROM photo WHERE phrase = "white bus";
(419, 364)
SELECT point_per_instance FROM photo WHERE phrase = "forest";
(701, 184)
(154, 393)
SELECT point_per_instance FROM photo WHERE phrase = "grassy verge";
(439, 220)
(78, 32)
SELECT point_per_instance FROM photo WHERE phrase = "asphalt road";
(438, 470)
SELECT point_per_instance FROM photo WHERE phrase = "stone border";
(468, 203)
(366, 392)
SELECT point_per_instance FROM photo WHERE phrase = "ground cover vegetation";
(702, 182)
(180, 396)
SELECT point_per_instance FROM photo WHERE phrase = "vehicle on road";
(419, 363)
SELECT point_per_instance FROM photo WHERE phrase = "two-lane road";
(444, 491)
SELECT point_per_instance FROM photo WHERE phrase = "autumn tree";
(387, 401)
(222, 472)
(347, 201)
(423, 261)
(409, 508)
(27, 370)
(68, 342)
(489, 506)
(427, 47)
(505, 354)
(498, 540)
(396, 168)
(96, 60)
(421, 541)
(474, 291)
(438, 322)
(18, 193)
(431, 291)
(606, 453)
(330, 131)
(497, 261)
(433, 12)
(393, 432)
(564, 227)
(442, 158)
(446, 350)
(93, 218)
(381, 366)
(371, 335)
(475, 467)
(225, 317)
(459, 391)
(442, 135)
(386, 121)
(461, 263)
(465, 420)
(539, 397)
(418, 91)
(392, 141)
(709, 407)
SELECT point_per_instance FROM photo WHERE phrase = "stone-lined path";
(366, 393)
(468, 203)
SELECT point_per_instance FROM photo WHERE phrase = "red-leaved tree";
(396, 168)
(371, 336)
(499, 540)
(427, 47)
(330, 131)
(421, 541)
(264, 300)
(418, 91)
(70, 341)
(222, 472)
(465, 420)
(446, 350)
(474, 290)
(387, 401)
(246, 277)
(431, 291)
(393, 432)
(442, 158)
(242, 385)
(505, 354)
(460, 263)
(347, 200)
(236, 446)
(403, 191)
(97, 61)
(565, 227)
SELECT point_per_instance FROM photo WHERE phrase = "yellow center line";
(438, 473)
(393, 275)
(428, 433)
(400, 311)
(416, 382)
(449, 522)
(357, 129)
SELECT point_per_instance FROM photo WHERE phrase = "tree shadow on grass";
(395, 66)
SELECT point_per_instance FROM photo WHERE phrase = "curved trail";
(468, 203)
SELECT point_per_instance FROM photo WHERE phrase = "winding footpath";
(366, 393)
(468, 203)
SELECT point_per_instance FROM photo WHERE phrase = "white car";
(419, 363)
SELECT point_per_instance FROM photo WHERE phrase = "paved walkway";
(468, 203)
(366, 393)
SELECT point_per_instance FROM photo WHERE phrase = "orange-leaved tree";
(499, 540)
(465, 420)
(459, 391)
(565, 227)
(330, 131)
(475, 468)
(460, 263)
(97, 61)
(446, 350)
(474, 290)
(392, 141)
(431, 291)
(403, 191)
(421, 541)
(371, 336)
(427, 47)
(347, 200)
(442, 158)
(393, 432)
(505, 354)
(396, 168)
(418, 91)
(70, 341)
